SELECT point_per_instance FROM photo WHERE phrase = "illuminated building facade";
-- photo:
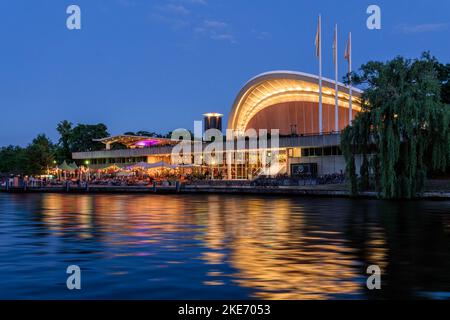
(289, 101)
(283, 100)
(212, 121)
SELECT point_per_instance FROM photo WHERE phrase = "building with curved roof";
(289, 101)
(283, 100)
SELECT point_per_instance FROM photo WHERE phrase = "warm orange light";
(213, 114)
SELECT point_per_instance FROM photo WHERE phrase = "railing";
(297, 140)
(305, 180)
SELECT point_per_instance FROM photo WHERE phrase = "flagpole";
(350, 102)
(320, 75)
(336, 88)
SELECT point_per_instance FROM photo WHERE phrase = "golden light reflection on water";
(273, 246)
(274, 256)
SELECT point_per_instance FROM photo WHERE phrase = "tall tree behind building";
(403, 132)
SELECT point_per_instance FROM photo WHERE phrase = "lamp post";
(213, 163)
(87, 162)
(269, 156)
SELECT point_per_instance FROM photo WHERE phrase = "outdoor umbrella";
(143, 165)
(74, 166)
(162, 164)
(65, 167)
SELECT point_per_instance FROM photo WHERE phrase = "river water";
(221, 247)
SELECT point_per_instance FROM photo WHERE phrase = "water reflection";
(136, 246)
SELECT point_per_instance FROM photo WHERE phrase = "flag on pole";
(318, 37)
(335, 46)
(319, 55)
(336, 87)
(348, 49)
(348, 57)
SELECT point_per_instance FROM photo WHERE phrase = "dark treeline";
(42, 153)
(33, 159)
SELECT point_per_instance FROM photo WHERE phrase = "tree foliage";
(403, 130)
(81, 137)
(64, 129)
(443, 74)
(12, 160)
(32, 160)
(41, 153)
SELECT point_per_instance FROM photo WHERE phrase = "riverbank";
(317, 191)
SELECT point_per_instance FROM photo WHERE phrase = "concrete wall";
(326, 164)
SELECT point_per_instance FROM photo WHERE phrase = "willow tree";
(403, 130)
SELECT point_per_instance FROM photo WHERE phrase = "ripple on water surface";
(221, 247)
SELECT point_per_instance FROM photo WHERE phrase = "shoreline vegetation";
(402, 134)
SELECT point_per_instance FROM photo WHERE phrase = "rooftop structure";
(287, 100)
(133, 142)
(283, 100)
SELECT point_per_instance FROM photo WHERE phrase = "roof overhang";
(135, 141)
(275, 87)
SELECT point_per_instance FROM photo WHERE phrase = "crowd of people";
(186, 179)
(103, 180)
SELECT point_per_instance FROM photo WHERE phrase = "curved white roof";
(275, 87)
(300, 74)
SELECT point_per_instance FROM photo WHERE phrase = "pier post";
(67, 186)
(178, 186)
(7, 184)
(154, 186)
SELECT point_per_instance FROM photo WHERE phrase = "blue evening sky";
(157, 65)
